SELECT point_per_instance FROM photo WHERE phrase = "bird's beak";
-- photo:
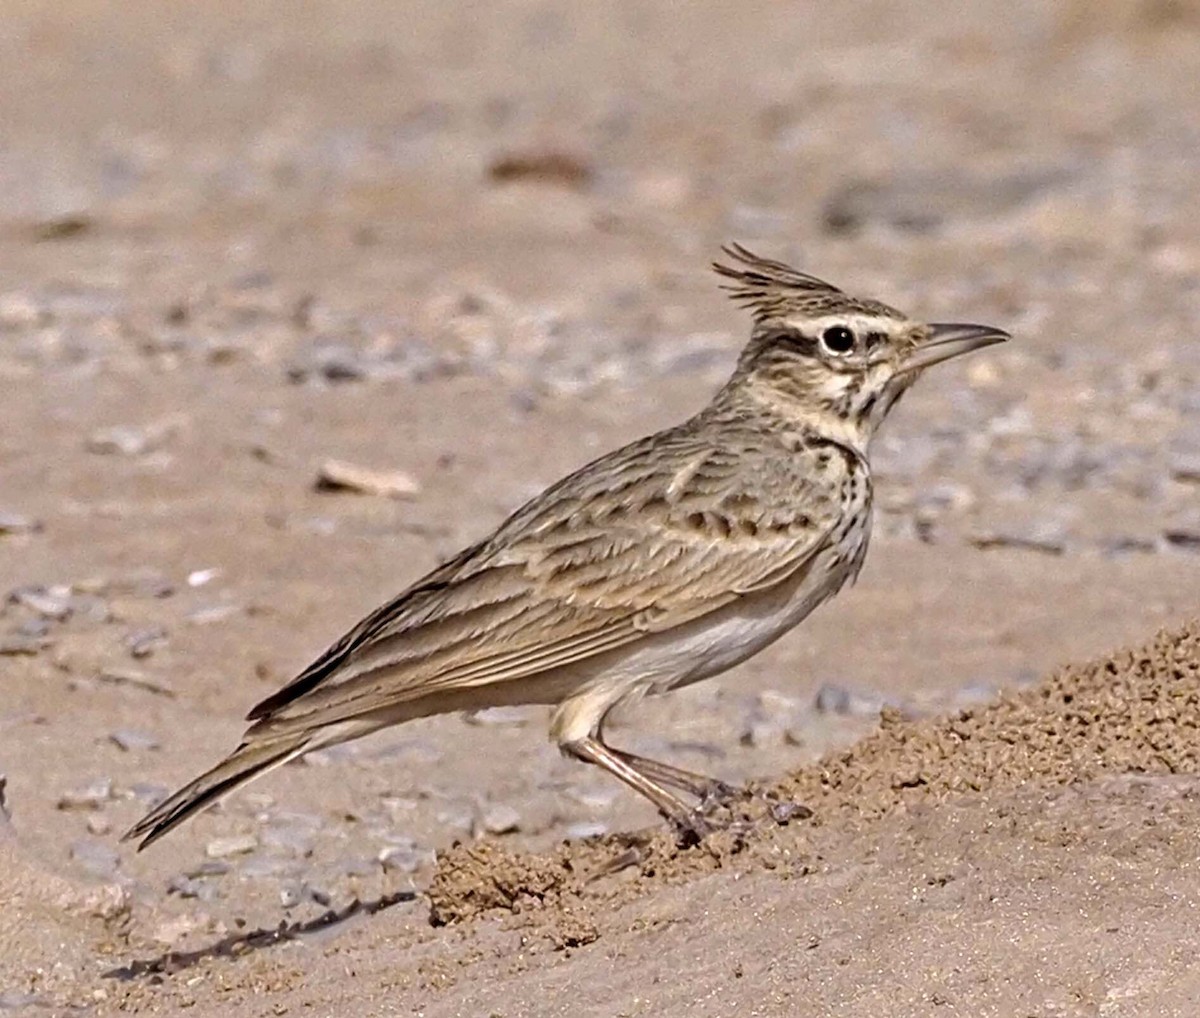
(951, 339)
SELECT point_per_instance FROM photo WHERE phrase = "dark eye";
(837, 339)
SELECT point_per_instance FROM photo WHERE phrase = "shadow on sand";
(247, 941)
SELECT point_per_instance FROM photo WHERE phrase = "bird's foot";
(719, 794)
(698, 825)
(714, 815)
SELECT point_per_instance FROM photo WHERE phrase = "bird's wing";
(581, 571)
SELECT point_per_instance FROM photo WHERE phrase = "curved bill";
(950, 339)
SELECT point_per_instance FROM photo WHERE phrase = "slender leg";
(710, 791)
(687, 821)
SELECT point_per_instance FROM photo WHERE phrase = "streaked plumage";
(663, 563)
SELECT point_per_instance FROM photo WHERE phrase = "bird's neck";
(784, 411)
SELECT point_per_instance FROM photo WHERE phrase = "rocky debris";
(1184, 461)
(132, 439)
(834, 699)
(17, 523)
(1183, 532)
(211, 614)
(581, 829)
(50, 603)
(1046, 536)
(338, 475)
(22, 644)
(497, 818)
(404, 857)
(130, 740)
(144, 641)
(490, 717)
(383, 358)
(134, 680)
(92, 796)
(549, 166)
(142, 583)
(235, 844)
(202, 577)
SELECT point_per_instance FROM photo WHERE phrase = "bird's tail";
(244, 764)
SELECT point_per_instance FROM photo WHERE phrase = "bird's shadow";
(247, 941)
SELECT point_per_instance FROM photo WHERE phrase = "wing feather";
(581, 572)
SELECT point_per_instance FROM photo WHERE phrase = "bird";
(663, 563)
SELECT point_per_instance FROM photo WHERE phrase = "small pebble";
(290, 897)
(15, 523)
(90, 796)
(335, 475)
(403, 858)
(98, 823)
(49, 602)
(199, 577)
(590, 796)
(188, 887)
(144, 642)
(14, 644)
(208, 868)
(498, 819)
(213, 613)
(149, 794)
(783, 812)
(586, 829)
(1185, 466)
(498, 716)
(237, 844)
(131, 741)
(130, 440)
(138, 680)
(834, 699)
(1046, 536)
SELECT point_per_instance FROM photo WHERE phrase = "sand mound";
(1137, 711)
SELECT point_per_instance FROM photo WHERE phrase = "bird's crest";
(765, 286)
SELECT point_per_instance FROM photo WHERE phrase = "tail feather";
(244, 764)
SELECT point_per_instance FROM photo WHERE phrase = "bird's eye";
(837, 339)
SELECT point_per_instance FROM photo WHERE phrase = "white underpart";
(698, 650)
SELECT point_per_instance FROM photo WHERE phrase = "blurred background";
(432, 255)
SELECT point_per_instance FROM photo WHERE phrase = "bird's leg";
(710, 791)
(690, 824)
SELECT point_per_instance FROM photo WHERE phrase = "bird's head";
(837, 362)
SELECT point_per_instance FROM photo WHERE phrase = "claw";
(719, 794)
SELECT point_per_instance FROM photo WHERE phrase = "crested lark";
(660, 564)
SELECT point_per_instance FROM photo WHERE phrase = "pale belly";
(689, 653)
(730, 635)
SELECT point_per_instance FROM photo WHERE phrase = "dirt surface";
(255, 257)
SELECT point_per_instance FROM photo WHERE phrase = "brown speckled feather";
(646, 538)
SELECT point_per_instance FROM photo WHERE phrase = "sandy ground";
(468, 246)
